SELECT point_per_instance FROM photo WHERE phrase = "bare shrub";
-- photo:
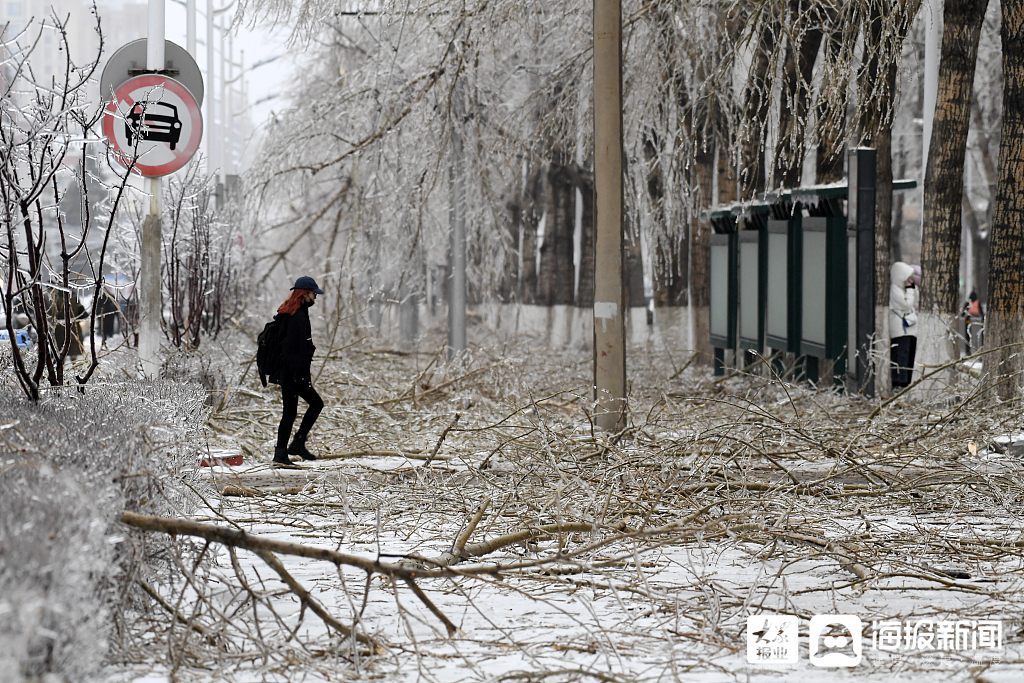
(69, 465)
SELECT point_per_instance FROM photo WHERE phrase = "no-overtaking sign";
(154, 121)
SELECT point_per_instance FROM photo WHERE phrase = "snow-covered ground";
(699, 524)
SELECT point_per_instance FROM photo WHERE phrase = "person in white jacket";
(902, 323)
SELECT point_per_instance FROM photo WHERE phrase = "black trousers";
(290, 393)
(901, 355)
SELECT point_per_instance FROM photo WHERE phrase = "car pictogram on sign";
(151, 126)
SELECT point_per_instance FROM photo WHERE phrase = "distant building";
(120, 22)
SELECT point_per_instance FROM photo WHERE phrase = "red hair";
(292, 303)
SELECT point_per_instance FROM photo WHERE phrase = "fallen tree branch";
(240, 539)
(845, 561)
(452, 628)
(179, 617)
(458, 549)
(487, 547)
(440, 441)
(439, 387)
(311, 602)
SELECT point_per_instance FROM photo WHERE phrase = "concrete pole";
(457, 219)
(149, 271)
(609, 299)
(190, 27)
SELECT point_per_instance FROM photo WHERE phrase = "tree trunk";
(556, 276)
(670, 272)
(532, 202)
(585, 291)
(898, 201)
(1005, 323)
(758, 98)
(796, 101)
(831, 113)
(887, 28)
(944, 183)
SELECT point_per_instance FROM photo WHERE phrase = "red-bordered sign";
(155, 121)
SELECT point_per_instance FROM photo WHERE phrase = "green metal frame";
(731, 243)
(785, 220)
(836, 294)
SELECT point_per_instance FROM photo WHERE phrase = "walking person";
(902, 324)
(293, 371)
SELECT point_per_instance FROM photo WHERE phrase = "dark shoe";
(298, 448)
(281, 458)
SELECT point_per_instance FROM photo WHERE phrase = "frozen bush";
(69, 466)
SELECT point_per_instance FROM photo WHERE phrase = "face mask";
(307, 304)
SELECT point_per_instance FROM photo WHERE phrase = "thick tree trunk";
(944, 184)
(796, 101)
(1005, 323)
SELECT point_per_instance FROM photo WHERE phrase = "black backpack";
(268, 350)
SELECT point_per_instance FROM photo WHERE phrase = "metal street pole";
(225, 74)
(609, 309)
(211, 93)
(149, 271)
(190, 27)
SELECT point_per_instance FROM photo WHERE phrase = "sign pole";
(211, 106)
(190, 27)
(149, 271)
(609, 309)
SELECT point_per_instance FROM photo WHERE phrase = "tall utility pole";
(225, 74)
(211, 93)
(457, 220)
(609, 309)
(149, 275)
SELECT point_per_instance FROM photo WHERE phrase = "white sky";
(265, 81)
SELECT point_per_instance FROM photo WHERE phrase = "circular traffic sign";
(155, 122)
(130, 59)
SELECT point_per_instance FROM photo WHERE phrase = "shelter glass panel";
(720, 290)
(778, 285)
(813, 322)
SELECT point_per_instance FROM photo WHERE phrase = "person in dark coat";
(293, 371)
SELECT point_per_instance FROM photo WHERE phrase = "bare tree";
(944, 186)
(1005, 324)
(46, 131)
